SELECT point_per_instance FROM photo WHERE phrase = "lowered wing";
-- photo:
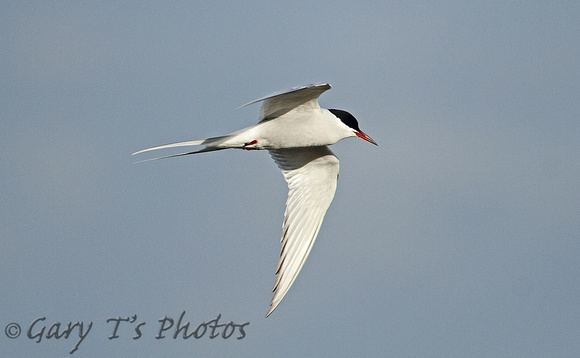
(311, 173)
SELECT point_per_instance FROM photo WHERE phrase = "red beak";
(362, 135)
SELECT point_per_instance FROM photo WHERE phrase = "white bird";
(296, 132)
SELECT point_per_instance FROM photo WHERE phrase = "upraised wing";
(311, 174)
(278, 103)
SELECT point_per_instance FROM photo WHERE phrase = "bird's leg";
(248, 144)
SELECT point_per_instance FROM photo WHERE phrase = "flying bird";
(296, 132)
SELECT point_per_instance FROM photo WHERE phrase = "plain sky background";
(458, 236)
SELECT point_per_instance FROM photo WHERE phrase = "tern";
(296, 132)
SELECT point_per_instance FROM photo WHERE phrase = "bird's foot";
(249, 144)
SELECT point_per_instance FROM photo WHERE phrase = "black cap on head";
(346, 118)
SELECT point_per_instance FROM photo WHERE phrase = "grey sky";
(458, 236)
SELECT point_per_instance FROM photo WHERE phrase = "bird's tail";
(211, 144)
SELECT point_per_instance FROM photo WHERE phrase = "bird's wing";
(278, 103)
(311, 173)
